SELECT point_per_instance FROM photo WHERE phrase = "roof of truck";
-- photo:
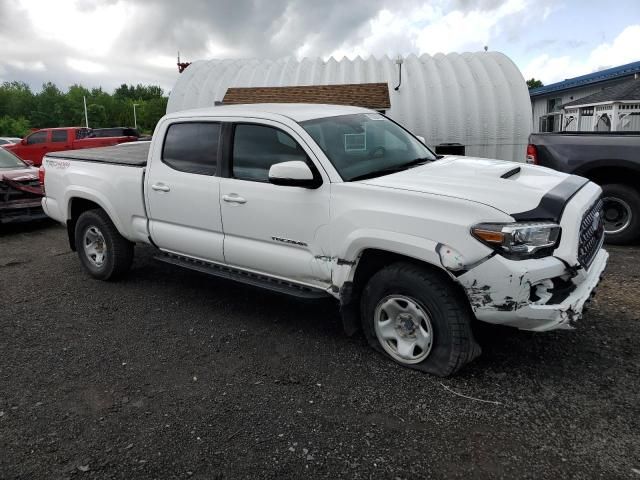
(299, 112)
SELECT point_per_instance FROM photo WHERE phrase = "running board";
(243, 276)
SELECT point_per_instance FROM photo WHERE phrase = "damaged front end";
(540, 294)
(20, 198)
(540, 273)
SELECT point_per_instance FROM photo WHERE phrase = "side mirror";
(421, 138)
(23, 141)
(292, 174)
(29, 162)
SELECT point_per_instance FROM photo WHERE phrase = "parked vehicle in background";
(20, 190)
(327, 200)
(9, 140)
(114, 132)
(37, 144)
(610, 159)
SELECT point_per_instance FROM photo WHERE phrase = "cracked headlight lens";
(521, 239)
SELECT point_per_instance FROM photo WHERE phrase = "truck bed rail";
(132, 154)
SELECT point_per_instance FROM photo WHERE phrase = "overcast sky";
(109, 42)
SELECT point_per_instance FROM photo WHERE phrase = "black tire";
(452, 345)
(117, 250)
(622, 197)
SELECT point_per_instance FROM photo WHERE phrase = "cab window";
(58, 135)
(257, 147)
(192, 147)
(37, 137)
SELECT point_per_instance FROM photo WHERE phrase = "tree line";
(22, 110)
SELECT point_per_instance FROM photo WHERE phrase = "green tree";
(51, 107)
(152, 111)
(14, 127)
(97, 116)
(16, 99)
(533, 83)
(75, 105)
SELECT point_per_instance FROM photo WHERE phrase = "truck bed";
(133, 154)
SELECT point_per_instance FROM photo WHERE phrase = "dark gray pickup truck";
(610, 159)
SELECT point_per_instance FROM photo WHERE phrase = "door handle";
(233, 198)
(160, 187)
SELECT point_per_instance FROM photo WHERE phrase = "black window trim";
(230, 143)
(218, 153)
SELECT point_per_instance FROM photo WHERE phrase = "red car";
(20, 190)
(39, 143)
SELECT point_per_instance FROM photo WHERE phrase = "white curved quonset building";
(479, 100)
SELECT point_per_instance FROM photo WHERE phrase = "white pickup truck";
(320, 200)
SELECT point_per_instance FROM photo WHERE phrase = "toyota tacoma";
(326, 200)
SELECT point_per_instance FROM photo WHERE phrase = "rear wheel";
(621, 210)
(416, 317)
(103, 252)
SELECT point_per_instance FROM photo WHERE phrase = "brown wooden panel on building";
(368, 95)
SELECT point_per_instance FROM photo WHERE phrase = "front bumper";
(21, 211)
(526, 294)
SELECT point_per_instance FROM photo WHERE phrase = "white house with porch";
(552, 104)
(614, 109)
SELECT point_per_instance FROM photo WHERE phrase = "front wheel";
(621, 210)
(419, 319)
(103, 252)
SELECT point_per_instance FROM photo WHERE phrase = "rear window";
(82, 133)
(192, 147)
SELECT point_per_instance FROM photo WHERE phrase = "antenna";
(182, 65)
(399, 62)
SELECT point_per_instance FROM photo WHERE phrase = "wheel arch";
(77, 205)
(371, 260)
(604, 174)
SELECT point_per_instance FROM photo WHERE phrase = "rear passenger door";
(60, 140)
(182, 190)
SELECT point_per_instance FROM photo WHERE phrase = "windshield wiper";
(388, 171)
(416, 162)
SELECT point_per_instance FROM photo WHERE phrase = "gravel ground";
(172, 374)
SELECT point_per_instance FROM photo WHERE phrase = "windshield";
(366, 145)
(9, 160)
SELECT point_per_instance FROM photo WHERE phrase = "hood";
(478, 180)
(12, 147)
(19, 174)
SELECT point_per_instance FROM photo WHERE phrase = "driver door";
(277, 230)
(35, 147)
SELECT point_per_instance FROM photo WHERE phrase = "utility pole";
(135, 118)
(86, 116)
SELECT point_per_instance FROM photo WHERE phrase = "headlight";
(523, 239)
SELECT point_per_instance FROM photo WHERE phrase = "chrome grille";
(591, 234)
